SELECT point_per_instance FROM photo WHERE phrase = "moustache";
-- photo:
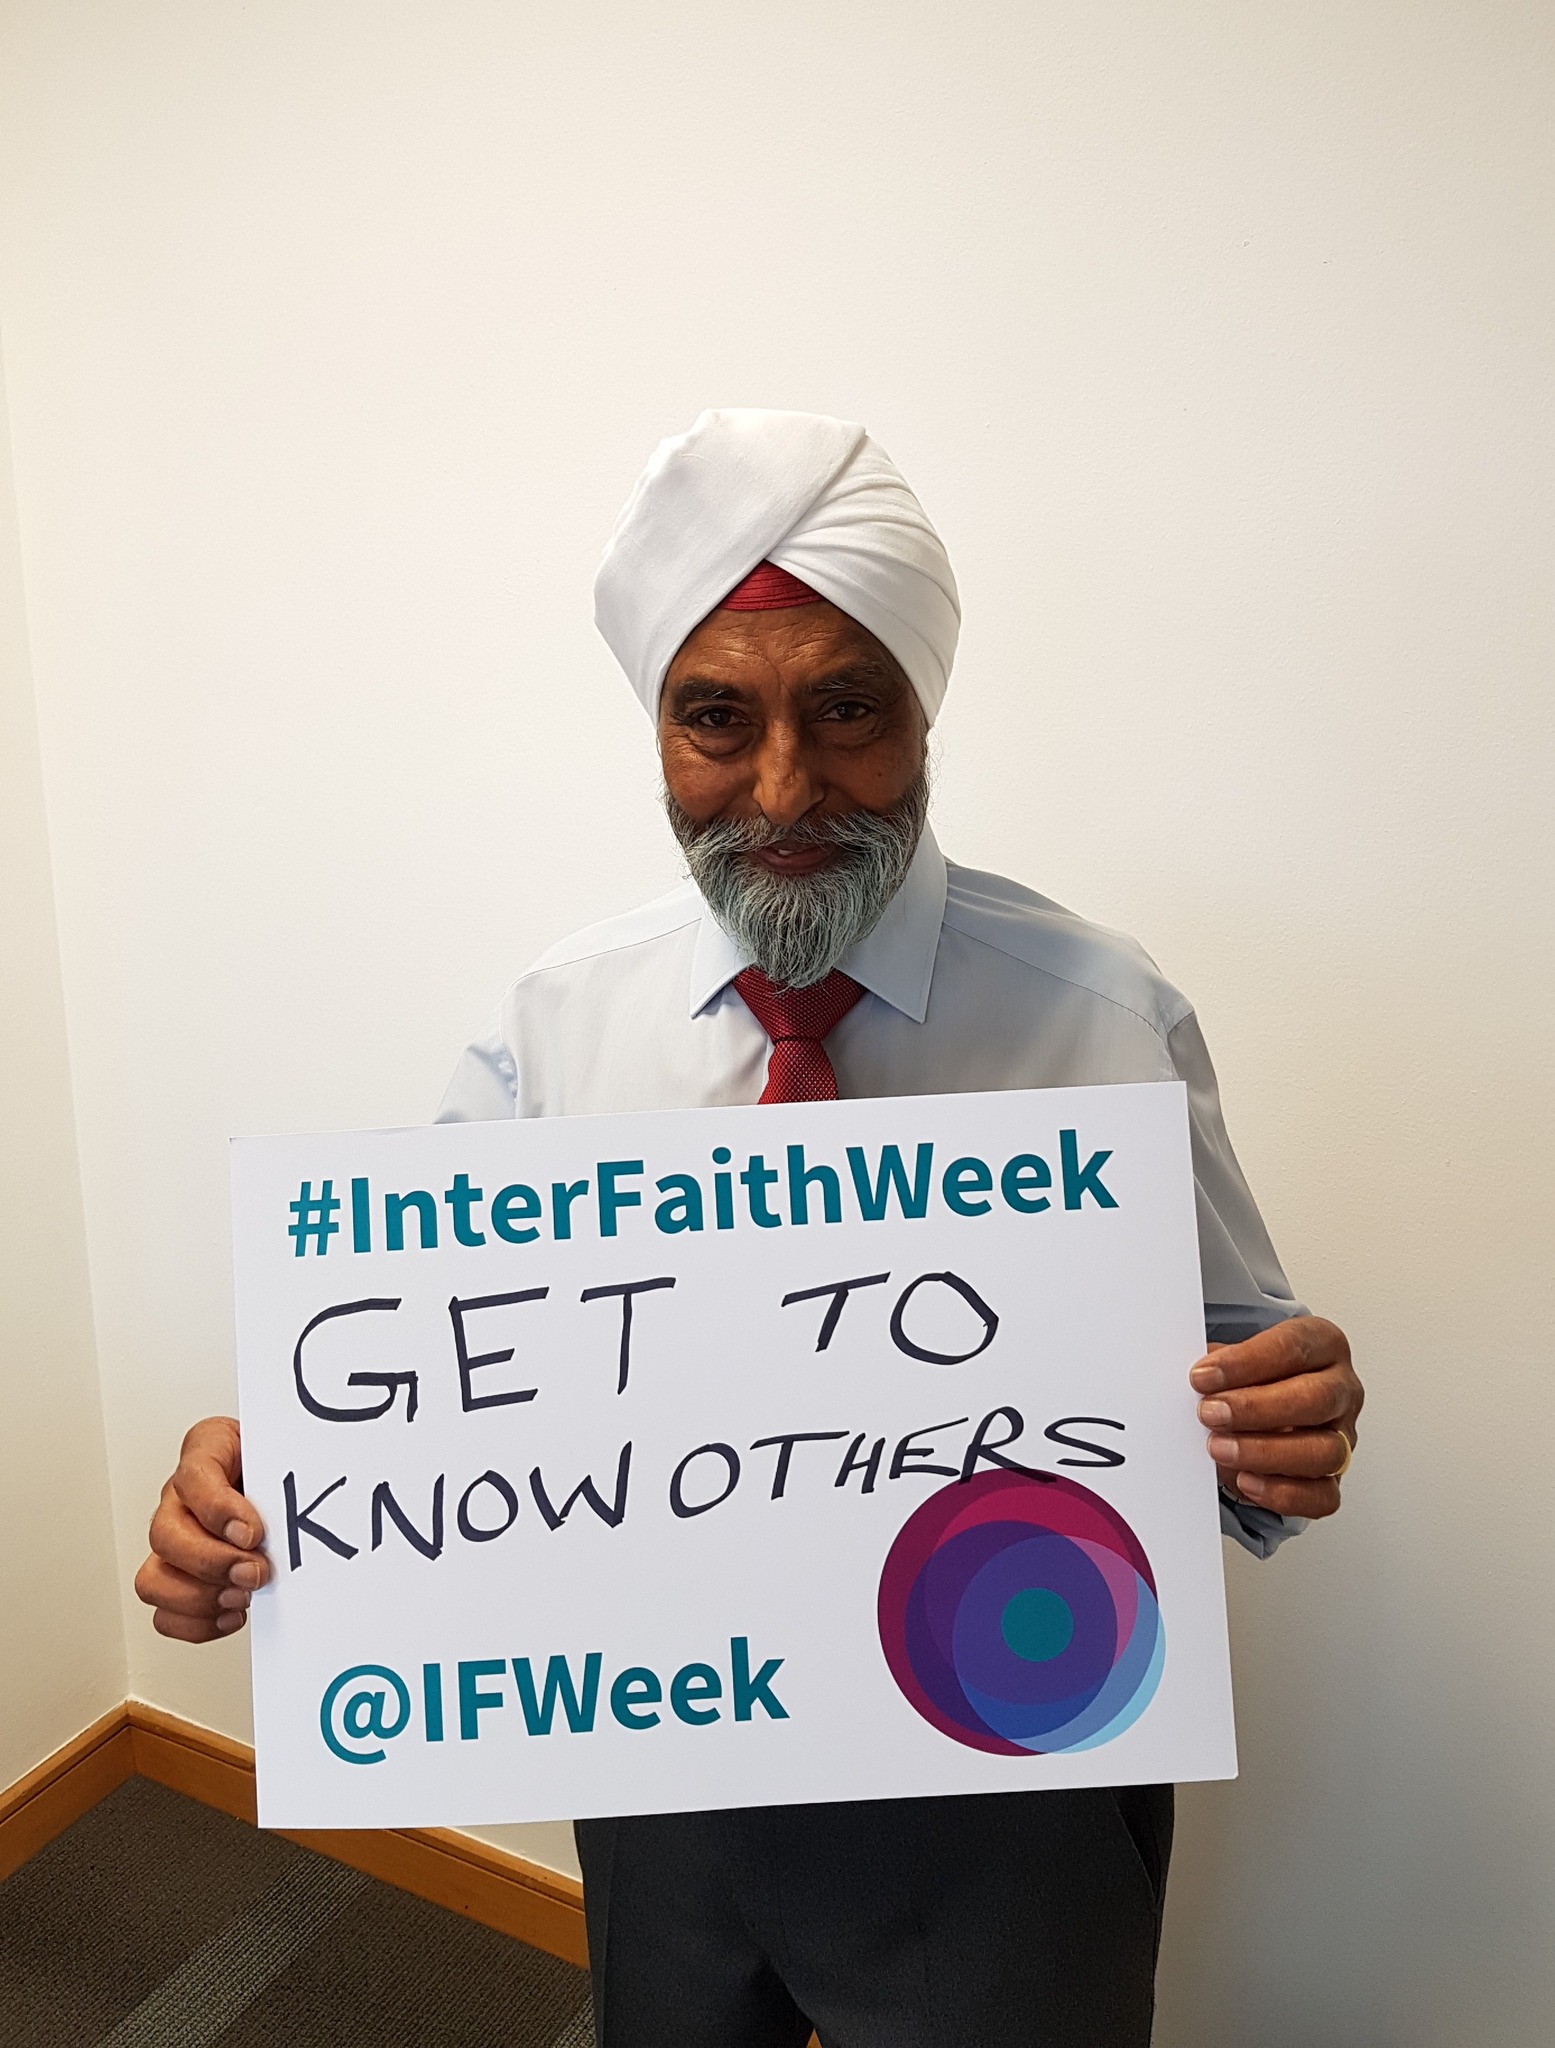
(844, 831)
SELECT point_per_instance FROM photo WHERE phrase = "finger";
(207, 1483)
(203, 1487)
(183, 1630)
(1292, 1454)
(161, 1586)
(1305, 1402)
(1310, 1498)
(1303, 1344)
(186, 1609)
(180, 1539)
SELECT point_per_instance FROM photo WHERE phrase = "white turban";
(813, 495)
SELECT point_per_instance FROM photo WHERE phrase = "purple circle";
(981, 1656)
(956, 1564)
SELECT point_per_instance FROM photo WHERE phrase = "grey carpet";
(156, 1923)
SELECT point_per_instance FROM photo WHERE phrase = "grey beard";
(796, 928)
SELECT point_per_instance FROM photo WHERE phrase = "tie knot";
(807, 1013)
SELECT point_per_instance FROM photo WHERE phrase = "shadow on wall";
(1405, 1719)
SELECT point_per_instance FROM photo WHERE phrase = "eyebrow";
(857, 674)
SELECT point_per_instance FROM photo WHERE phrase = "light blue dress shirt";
(973, 983)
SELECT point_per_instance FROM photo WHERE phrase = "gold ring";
(1349, 1453)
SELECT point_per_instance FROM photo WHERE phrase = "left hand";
(1281, 1410)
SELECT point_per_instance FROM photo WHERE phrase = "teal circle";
(1037, 1624)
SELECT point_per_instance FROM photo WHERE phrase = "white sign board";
(728, 1457)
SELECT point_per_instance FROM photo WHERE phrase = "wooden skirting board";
(63, 1787)
(499, 1890)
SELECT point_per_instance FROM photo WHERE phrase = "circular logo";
(1019, 1615)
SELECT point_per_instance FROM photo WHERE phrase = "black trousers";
(1008, 1920)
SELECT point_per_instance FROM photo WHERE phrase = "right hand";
(205, 1559)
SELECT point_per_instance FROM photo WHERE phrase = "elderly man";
(787, 615)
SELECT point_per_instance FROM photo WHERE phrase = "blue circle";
(1037, 1624)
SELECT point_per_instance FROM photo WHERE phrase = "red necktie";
(796, 1020)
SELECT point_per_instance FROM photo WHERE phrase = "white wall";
(61, 1632)
(1217, 339)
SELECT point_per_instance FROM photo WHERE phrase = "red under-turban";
(769, 589)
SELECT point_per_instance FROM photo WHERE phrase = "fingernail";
(233, 1598)
(1253, 1484)
(1207, 1377)
(1213, 1415)
(227, 1622)
(248, 1574)
(237, 1533)
(1223, 1449)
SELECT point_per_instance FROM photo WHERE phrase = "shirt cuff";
(1256, 1529)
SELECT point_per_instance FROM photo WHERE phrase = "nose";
(786, 785)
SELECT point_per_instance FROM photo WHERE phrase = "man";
(787, 615)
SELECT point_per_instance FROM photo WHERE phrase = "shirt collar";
(895, 961)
